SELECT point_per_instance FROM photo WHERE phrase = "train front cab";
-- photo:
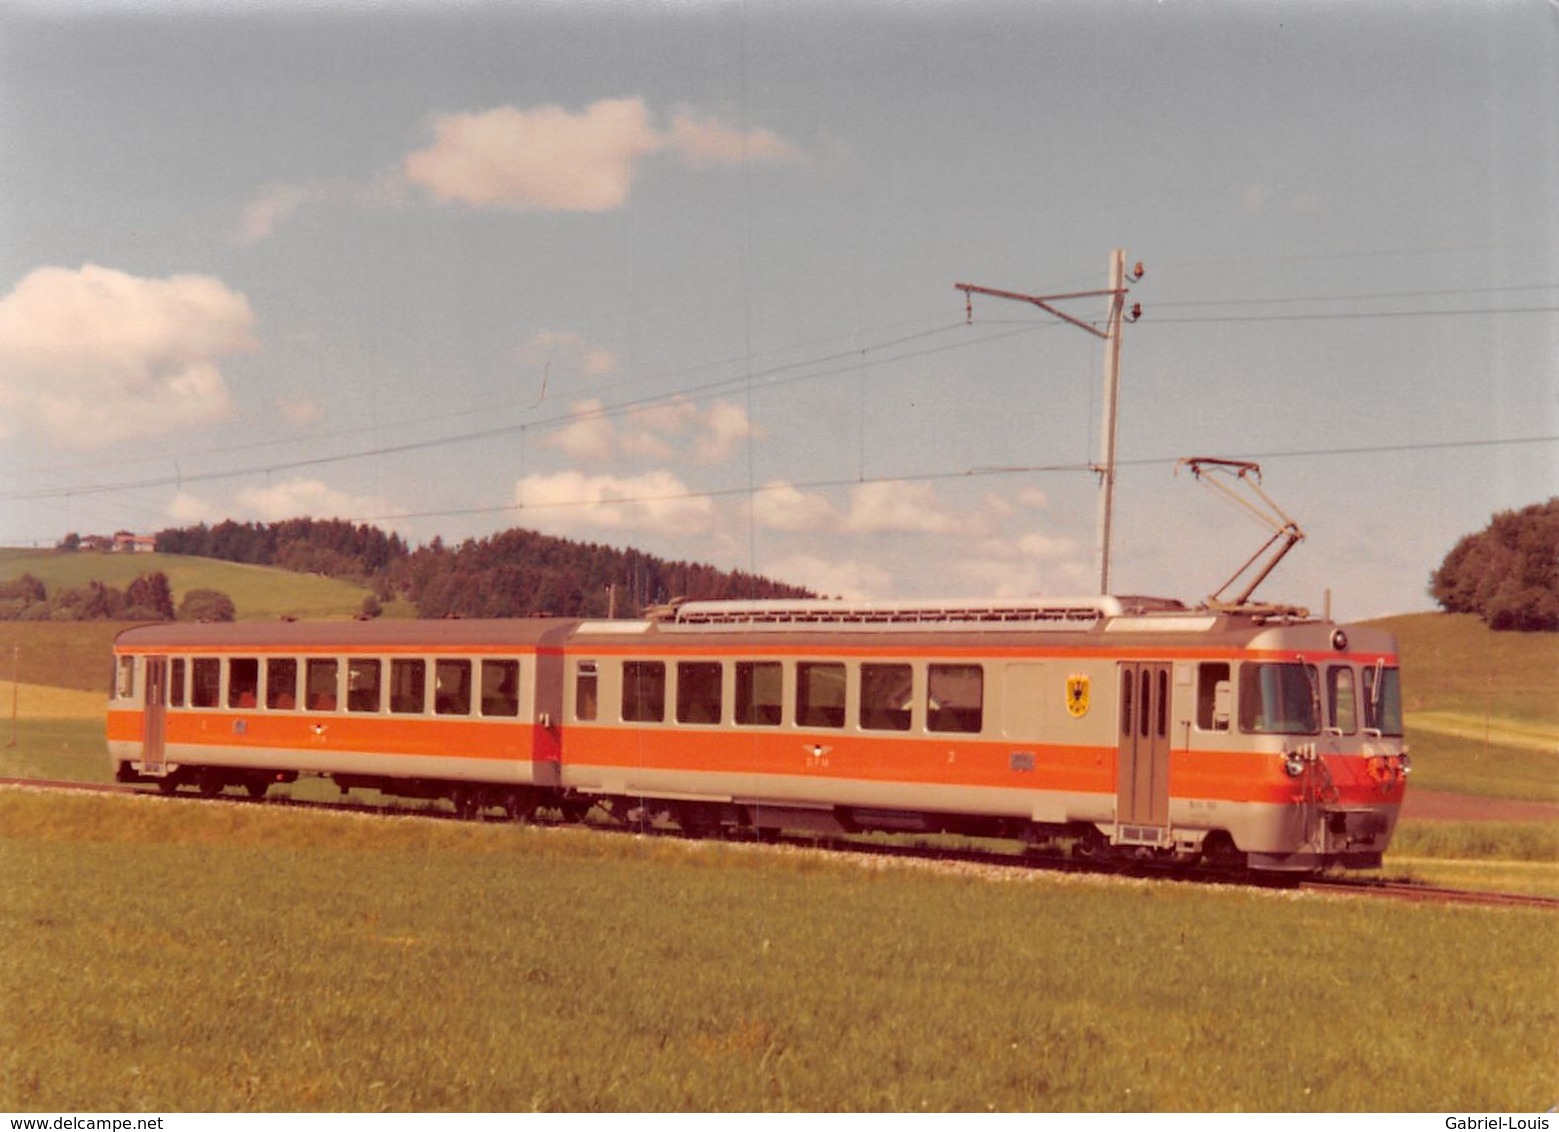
(1287, 755)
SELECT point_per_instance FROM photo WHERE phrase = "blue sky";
(680, 276)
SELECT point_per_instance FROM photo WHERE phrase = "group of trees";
(515, 573)
(147, 598)
(519, 573)
(333, 547)
(1507, 573)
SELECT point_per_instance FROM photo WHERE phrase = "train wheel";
(519, 806)
(469, 802)
(574, 809)
(210, 784)
(1091, 845)
(257, 788)
(168, 785)
(697, 821)
(1219, 853)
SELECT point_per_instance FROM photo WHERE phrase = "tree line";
(1507, 573)
(148, 598)
(515, 573)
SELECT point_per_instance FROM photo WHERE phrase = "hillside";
(1453, 664)
(1482, 707)
(259, 592)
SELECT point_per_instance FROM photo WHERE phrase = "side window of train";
(176, 682)
(1214, 696)
(819, 695)
(698, 692)
(759, 693)
(587, 691)
(243, 682)
(281, 683)
(955, 698)
(644, 691)
(887, 694)
(362, 684)
(205, 682)
(452, 687)
(320, 676)
(501, 687)
(124, 678)
(408, 686)
(1342, 712)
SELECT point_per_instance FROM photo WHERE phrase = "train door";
(1142, 765)
(547, 749)
(154, 717)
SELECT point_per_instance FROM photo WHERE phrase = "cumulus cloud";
(567, 350)
(702, 142)
(312, 497)
(903, 507)
(286, 500)
(93, 356)
(538, 159)
(550, 159)
(655, 432)
(655, 500)
(274, 204)
(781, 506)
(848, 579)
(270, 207)
(546, 159)
(588, 435)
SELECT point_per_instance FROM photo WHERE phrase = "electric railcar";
(1253, 735)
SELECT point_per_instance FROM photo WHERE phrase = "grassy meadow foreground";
(176, 955)
(159, 954)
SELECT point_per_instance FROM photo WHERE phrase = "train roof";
(1092, 622)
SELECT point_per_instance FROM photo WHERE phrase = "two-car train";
(1248, 734)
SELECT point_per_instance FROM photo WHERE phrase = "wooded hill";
(515, 573)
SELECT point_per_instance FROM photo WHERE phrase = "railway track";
(1362, 887)
(1425, 893)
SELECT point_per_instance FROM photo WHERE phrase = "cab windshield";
(1383, 700)
(1279, 699)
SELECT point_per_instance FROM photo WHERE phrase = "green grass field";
(169, 955)
(174, 955)
(258, 592)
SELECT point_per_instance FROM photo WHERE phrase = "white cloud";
(542, 159)
(896, 506)
(655, 432)
(780, 506)
(656, 501)
(277, 203)
(272, 205)
(561, 349)
(306, 497)
(93, 356)
(849, 579)
(185, 509)
(725, 427)
(589, 435)
(703, 142)
(545, 159)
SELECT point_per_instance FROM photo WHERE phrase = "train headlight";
(1404, 764)
(1294, 764)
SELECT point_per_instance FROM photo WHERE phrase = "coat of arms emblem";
(1077, 696)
